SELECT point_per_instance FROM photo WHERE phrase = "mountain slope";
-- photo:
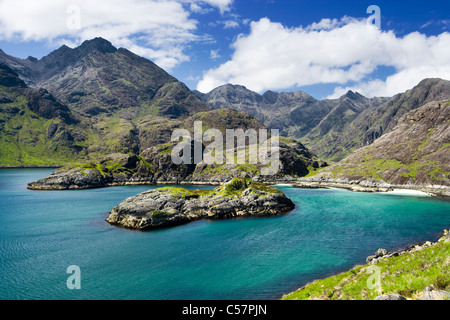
(104, 100)
(100, 101)
(294, 114)
(364, 128)
(415, 153)
(96, 78)
(334, 128)
(35, 128)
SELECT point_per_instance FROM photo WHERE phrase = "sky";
(322, 47)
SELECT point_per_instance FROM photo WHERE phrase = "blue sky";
(321, 47)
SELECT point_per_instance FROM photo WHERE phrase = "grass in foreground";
(405, 275)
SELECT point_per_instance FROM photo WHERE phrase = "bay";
(42, 233)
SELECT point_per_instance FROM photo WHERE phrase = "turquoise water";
(44, 232)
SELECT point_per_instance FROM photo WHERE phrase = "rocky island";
(166, 207)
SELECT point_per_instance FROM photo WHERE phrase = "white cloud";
(158, 30)
(223, 5)
(194, 7)
(331, 51)
(198, 6)
(230, 24)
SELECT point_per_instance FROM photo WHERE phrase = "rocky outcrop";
(384, 254)
(9, 78)
(155, 166)
(432, 294)
(166, 207)
(43, 103)
(395, 297)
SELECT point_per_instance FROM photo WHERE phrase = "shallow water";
(44, 232)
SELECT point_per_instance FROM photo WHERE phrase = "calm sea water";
(42, 233)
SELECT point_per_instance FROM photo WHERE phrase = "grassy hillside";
(416, 152)
(407, 275)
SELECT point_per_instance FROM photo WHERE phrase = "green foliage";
(406, 274)
(377, 168)
(107, 169)
(442, 283)
(237, 186)
(159, 214)
(186, 194)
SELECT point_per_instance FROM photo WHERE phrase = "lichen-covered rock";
(432, 294)
(390, 297)
(165, 207)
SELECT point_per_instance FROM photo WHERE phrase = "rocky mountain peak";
(99, 44)
(353, 95)
(270, 97)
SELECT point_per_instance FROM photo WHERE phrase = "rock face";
(345, 130)
(103, 100)
(330, 128)
(415, 154)
(395, 297)
(155, 166)
(384, 254)
(294, 113)
(166, 207)
(97, 78)
(432, 294)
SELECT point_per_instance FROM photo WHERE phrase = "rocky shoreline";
(167, 207)
(396, 271)
(378, 186)
(88, 179)
(384, 254)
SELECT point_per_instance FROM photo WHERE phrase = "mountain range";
(330, 128)
(416, 153)
(85, 104)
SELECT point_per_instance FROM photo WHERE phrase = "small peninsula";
(167, 207)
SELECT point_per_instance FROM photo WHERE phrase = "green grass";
(407, 275)
(237, 186)
(313, 171)
(159, 214)
(376, 168)
(183, 193)
(234, 188)
(106, 169)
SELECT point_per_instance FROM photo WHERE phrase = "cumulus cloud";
(343, 51)
(223, 5)
(158, 30)
(200, 6)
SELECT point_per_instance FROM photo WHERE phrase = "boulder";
(432, 294)
(381, 253)
(390, 297)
